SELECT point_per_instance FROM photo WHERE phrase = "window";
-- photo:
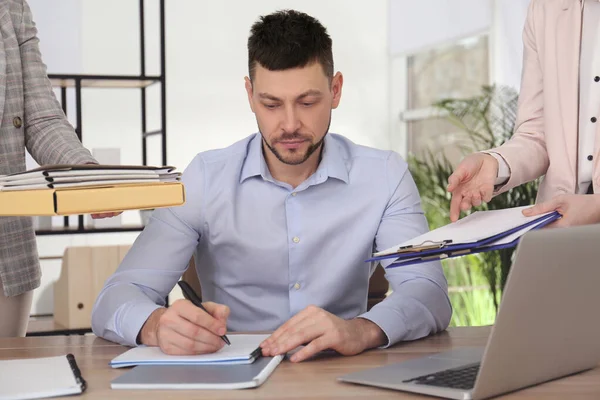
(452, 71)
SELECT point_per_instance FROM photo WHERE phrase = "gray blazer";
(30, 117)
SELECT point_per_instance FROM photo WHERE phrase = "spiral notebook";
(37, 378)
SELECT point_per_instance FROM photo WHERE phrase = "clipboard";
(501, 244)
(447, 246)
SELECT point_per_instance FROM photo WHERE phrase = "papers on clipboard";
(478, 232)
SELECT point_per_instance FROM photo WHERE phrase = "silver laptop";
(547, 326)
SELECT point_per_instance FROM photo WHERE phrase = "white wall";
(415, 25)
(60, 44)
(507, 41)
(206, 64)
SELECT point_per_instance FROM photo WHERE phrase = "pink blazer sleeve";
(525, 153)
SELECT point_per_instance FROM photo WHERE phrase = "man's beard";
(295, 136)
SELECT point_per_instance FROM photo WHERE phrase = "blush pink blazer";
(545, 141)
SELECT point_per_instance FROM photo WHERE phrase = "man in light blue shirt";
(280, 224)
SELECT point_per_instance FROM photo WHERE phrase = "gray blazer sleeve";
(49, 137)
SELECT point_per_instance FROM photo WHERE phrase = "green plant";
(489, 120)
(468, 292)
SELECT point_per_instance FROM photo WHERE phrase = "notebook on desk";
(244, 349)
(222, 376)
(36, 378)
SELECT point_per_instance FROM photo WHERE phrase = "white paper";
(70, 179)
(238, 353)
(86, 184)
(89, 170)
(36, 378)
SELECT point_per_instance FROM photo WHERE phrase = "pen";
(189, 292)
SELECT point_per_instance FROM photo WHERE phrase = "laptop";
(547, 326)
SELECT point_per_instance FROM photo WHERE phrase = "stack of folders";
(81, 189)
(479, 232)
(237, 366)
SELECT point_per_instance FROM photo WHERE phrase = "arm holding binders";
(478, 232)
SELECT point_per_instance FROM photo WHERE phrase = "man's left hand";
(576, 209)
(323, 330)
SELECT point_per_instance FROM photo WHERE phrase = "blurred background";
(431, 79)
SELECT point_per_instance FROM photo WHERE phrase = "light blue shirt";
(268, 250)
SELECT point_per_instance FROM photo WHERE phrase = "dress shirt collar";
(332, 163)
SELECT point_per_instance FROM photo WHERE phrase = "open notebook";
(36, 378)
(243, 350)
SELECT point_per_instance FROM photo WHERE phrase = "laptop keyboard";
(455, 378)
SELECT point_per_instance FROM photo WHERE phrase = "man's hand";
(322, 330)
(576, 209)
(472, 182)
(184, 329)
(106, 215)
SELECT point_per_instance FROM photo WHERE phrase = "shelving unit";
(141, 82)
(45, 325)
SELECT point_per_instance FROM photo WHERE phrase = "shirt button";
(590, 158)
(297, 286)
(296, 239)
(17, 122)
(294, 194)
(594, 119)
(597, 79)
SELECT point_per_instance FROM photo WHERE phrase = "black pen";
(189, 292)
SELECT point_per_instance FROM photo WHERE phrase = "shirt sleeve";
(419, 304)
(503, 168)
(149, 272)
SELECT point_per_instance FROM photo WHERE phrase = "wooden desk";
(308, 380)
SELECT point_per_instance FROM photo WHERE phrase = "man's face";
(293, 109)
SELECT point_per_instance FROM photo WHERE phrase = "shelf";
(141, 81)
(102, 81)
(45, 326)
(75, 230)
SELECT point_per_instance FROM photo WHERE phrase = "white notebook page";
(35, 378)
(237, 353)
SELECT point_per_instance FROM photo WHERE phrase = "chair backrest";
(378, 285)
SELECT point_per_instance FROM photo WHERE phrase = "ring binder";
(76, 372)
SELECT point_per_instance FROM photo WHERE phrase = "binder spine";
(76, 372)
(257, 353)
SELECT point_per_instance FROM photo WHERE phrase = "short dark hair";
(289, 39)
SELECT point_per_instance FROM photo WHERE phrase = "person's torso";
(269, 251)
